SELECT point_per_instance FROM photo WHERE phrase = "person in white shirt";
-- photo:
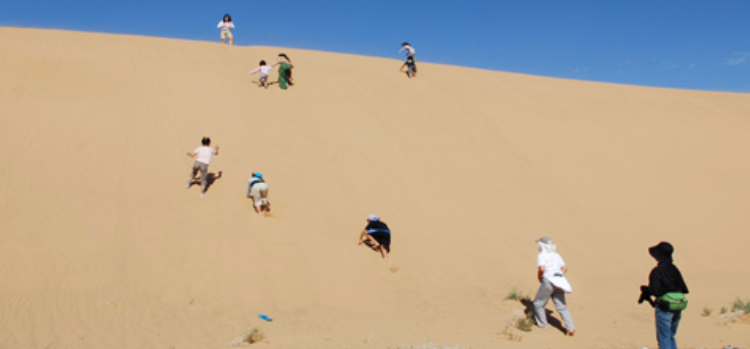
(410, 51)
(202, 156)
(551, 274)
(409, 63)
(264, 71)
(226, 25)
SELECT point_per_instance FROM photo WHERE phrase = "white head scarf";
(548, 247)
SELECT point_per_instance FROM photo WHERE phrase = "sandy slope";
(101, 246)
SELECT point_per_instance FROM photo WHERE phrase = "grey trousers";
(547, 290)
(204, 173)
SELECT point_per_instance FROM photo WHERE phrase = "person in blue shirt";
(376, 235)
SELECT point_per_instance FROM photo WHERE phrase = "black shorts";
(382, 238)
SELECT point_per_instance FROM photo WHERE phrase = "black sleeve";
(655, 283)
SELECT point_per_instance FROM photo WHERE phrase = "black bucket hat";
(662, 252)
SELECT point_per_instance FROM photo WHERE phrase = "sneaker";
(571, 333)
(203, 193)
(188, 184)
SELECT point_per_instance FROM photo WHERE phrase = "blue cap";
(257, 174)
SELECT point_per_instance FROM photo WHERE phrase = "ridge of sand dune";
(102, 246)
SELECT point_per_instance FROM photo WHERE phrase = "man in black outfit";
(664, 278)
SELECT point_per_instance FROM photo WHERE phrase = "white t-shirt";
(204, 154)
(410, 51)
(225, 25)
(264, 70)
(552, 263)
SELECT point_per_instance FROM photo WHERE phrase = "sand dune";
(101, 246)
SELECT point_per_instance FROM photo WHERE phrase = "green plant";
(706, 312)
(515, 295)
(723, 310)
(525, 324)
(740, 305)
(255, 335)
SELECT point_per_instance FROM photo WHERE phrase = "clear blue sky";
(692, 44)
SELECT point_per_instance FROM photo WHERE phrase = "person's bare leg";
(266, 205)
(223, 41)
(383, 252)
(231, 41)
(372, 241)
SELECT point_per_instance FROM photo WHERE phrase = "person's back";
(551, 271)
(257, 189)
(664, 278)
(204, 154)
(377, 234)
(552, 262)
(410, 51)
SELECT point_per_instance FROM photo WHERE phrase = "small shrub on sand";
(521, 321)
(706, 312)
(737, 311)
(525, 324)
(254, 336)
(515, 295)
(740, 305)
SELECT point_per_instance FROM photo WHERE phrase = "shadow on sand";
(553, 321)
(210, 179)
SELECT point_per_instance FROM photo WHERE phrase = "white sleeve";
(219, 25)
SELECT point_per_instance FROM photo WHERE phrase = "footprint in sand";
(394, 269)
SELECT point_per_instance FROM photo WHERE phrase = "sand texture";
(101, 245)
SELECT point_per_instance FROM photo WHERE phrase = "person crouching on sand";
(202, 156)
(257, 189)
(377, 236)
(551, 274)
(226, 25)
(264, 71)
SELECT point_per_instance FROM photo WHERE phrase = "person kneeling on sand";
(551, 274)
(377, 236)
(202, 157)
(257, 189)
(264, 71)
